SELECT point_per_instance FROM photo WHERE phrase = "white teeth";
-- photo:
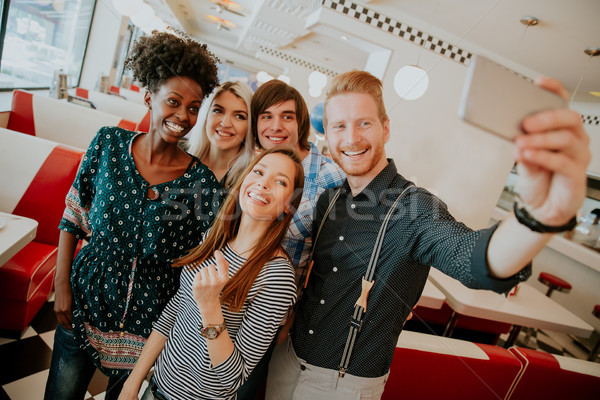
(353, 153)
(223, 134)
(276, 139)
(174, 127)
(257, 197)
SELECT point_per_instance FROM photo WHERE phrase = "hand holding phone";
(497, 100)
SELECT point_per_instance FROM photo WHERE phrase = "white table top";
(15, 233)
(431, 297)
(528, 307)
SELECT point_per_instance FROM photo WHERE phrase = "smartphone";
(497, 99)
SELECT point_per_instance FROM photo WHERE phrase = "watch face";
(210, 332)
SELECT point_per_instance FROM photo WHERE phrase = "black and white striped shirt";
(184, 370)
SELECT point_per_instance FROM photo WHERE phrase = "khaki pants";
(291, 378)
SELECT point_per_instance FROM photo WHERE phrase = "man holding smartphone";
(332, 354)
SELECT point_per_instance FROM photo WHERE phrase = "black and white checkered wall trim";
(417, 37)
(297, 60)
(590, 119)
(399, 29)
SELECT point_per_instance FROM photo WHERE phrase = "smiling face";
(356, 135)
(267, 190)
(278, 126)
(227, 121)
(174, 108)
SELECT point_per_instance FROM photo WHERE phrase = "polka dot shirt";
(123, 278)
(421, 233)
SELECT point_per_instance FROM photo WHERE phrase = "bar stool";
(554, 283)
(594, 352)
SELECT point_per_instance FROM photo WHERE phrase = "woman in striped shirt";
(235, 290)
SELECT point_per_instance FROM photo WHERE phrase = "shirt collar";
(379, 184)
(311, 162)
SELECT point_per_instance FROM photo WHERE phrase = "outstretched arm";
(552, 157)
(150, 352)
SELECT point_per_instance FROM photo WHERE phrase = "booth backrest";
(131, 95)
(81, 92)
(552, 377)
(58, 120)
(434, 367)
(144, 125)
(115, 105)
(38, 175)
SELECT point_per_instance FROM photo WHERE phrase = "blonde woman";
(222, 138)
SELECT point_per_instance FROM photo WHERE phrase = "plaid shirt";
(320, 174)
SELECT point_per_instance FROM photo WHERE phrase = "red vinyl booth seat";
(433, 367)
(549, 377)
(144, 125)
(26, 279)
(442, 316)
(81, 92)
(59, 120)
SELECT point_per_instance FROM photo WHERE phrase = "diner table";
(431, 297)
(15, 233)
(528, 307)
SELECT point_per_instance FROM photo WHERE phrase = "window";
(124, 78)
(40, 37)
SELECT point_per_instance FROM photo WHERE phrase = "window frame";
(5, 7)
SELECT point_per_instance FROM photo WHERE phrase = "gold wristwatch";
(212, 331)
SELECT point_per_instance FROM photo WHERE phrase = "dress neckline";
(191, 165)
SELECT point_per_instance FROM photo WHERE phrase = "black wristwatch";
(212, 331)
(526, 219)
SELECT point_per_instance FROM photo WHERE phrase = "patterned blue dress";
(123, 278)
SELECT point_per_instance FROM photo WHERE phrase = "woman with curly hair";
(141, 202)
(222, 138)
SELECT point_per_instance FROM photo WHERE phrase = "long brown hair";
(225, 229)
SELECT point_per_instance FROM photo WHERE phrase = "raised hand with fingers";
(552, 157)
(209, 282)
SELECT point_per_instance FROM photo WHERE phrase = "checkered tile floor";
(24, 362)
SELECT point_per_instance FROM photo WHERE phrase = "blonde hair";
(356, 82)
(198, 143)
(225, 228)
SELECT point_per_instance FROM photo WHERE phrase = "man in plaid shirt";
(280, 118)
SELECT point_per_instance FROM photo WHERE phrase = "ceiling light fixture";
(529, 20)
(592, 51)
(411, 82)
(284, 78)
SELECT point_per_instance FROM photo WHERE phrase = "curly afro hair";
(154, 59)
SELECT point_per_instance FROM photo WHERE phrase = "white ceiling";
(555, 47)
